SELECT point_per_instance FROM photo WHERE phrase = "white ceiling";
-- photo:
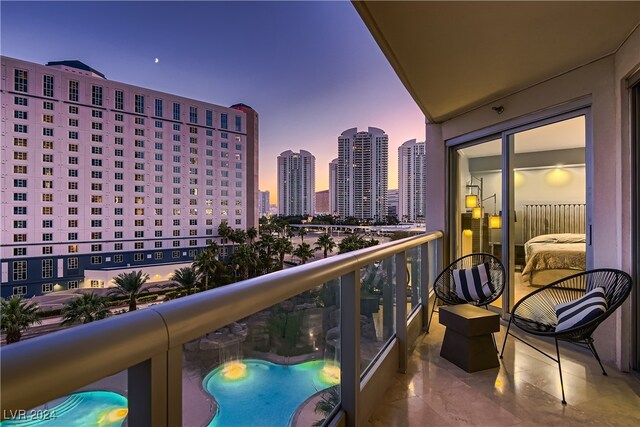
(456, 56)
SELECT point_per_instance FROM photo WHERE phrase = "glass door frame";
(634, 88)
(506, 131)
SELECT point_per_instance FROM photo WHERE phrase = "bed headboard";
(553, 218)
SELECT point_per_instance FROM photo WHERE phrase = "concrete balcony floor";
(524, 391)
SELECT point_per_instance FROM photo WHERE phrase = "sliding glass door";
(522, 195)
(635, 124)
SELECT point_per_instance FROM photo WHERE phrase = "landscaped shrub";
(148, 298)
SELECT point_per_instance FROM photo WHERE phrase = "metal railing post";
(425, 282)
(147, 392)
(350, 346)
(401, 308)
(174, 386)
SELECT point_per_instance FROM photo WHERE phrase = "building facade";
(362, 174)
(333, 187)
(264, 204)
(101, 175)
(322, 203)
(392, 203)
(411, 183)
(296, 183)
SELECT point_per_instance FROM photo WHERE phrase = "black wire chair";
(536, 314)
(445, 289)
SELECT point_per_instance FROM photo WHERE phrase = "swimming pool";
(264, 393)
(88, 408)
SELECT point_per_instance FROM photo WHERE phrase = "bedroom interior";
(548, 189)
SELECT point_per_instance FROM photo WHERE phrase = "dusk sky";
(310, 69)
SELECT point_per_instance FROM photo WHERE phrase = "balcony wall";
(602, 85)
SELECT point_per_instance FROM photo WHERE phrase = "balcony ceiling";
(456, 56)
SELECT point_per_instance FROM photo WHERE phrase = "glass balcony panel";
(280, 366)
(414, 278)
(377, 309)
(101, 403)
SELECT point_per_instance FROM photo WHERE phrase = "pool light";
(234, 371)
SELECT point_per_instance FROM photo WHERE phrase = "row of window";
(21, 84)
(46, 287)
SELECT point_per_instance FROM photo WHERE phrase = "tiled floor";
(524, 391)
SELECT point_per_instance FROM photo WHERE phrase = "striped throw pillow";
(576, 313)
(473, 284)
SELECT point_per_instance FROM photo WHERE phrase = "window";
(158, 108)
(47, 86)
(73, 173)
(73, 135)
(96, 247)
(20, 115)
(72, 263)
(208, 119)
(118, 258)
(139, 107)
(47, 197)
(20, 155)
(47, 118)
(20, 224)
(20, 128)
(47, 250)
(96, 95)
(119, 105)
(72, 249)
(20, 183)
(73, 92)
(96, 126)
(176, 111)
(73, 284)
(19, 290)
(97, 283)
(47, 131)
(138, 257)
(73, 109)
(21, 80)
(47, 268)
(158, 255)
(73, 147)
(19, 100)
(19, 210)
(20, 142)
(224, 121)
(193, 114)
(139, 132)
(238, 123)
(175, 254)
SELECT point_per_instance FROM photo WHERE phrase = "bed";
(551, 257)
(555, 241)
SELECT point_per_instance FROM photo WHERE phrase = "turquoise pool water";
(89, 408)
(266, 394)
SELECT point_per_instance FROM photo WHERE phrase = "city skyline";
(309, 68)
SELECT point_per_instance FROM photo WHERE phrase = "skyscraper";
(362, 180)
(296, 183)
(322, 202)
(411, 189)
(106, 177)
(264, 204)
(333, 187)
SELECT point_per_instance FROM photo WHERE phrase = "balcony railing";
(151, 349)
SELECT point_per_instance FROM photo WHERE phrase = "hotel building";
(362, 175)
(411, 190)
(296, 183)
(100, 177)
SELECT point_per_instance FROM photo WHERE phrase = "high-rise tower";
(296, 183)
(411, 190)
(362, 180)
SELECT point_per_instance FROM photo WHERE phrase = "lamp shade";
(471, 201)
(495, 221)
(476, 213)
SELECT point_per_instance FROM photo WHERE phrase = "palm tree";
(325, 243)
(85, 309)
(129, 285)
(243, 257)
(252, 233)
(224, 230)
(205, 263)
(238, 236)
(303, 252)
(302, 232)
(16, 316)
(353, 242)
(282, 246)
(328, 400)
(186, 278)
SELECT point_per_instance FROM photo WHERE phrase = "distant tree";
(252, 234)
(329, 398)
(16, 316)
(205, 263)
(243, 258)
(86, 309)
(302, 232)
(238, 236)
(303, 252)
(325, 243)
(224, 230)
(282, 246)
(186, 278)
(129, 285)
(353, 242)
